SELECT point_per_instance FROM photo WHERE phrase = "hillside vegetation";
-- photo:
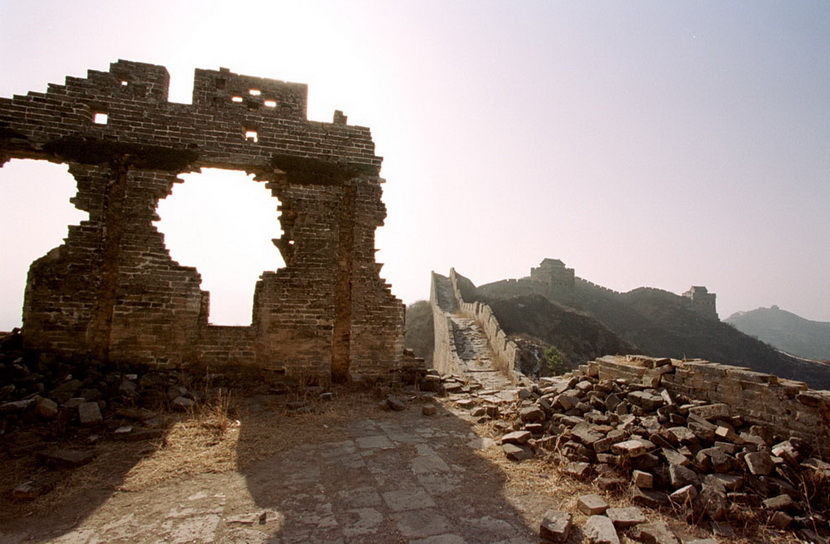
(419, 334)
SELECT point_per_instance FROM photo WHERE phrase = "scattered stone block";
(429, 410)
(649, 498)
(600, 530)
(654, 533)
(517, 453)
(781, 520)
(89, 413)
(395, 404)
(585, 434)
(624, 518)
(516, 437)
(684, 495)
(32, 489)
(65, 458)
(641, 479)
(779, 503)
(578, 470)
(556, 526)
(532, 414)
(674, 457)
(632, 448)
(46, 408)
(183, 404)
(681, 476)
(644, 400)
(591, 505)
(681, 435)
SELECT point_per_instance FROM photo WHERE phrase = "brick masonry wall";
(111, 291)
(787, 406)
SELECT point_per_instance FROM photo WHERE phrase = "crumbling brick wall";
(112, 291)
(786, 406)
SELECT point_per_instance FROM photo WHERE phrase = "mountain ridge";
(786, 331)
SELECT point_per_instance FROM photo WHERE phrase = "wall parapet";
(786, 406)
(506, 351)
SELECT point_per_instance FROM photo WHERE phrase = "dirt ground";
(248, 470)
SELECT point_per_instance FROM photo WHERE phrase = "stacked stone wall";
(113, 292)
(786, 406)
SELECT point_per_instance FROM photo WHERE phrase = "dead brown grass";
(224, 433)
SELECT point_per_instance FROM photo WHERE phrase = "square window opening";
(237, 99)
(251, 136)
(270, 103)
(100, 118)
(254, 92)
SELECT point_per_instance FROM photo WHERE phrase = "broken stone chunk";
(31, 490)
(654, 533)
(516, 437)
(395, 404)
(681, 476)
(684, 495)
(68, 458)
(532, 414)
(556, 526)
(632, 448)
(779, 503)
(591, 505)
(622, 518)
(578, 470)
(648, 497)
(600, 530)
(46, 408)
(585, 434)
(517, 453)
(643, 480)
(89, 413)
(183, 403)
(781, 520)
(429, 410)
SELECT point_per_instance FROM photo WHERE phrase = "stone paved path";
(474, 350)
(399, 477)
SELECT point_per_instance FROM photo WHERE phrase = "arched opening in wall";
(222, 222)
(35, 214)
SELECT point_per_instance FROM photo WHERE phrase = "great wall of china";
(690, 435)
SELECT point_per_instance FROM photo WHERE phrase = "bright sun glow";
(26, 187)
(222, 222)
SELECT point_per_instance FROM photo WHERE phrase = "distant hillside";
(419, 335)
(661, 323)
(786, 331)
(579, 338)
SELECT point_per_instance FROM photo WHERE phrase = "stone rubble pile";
(57, 399)
(662, 450)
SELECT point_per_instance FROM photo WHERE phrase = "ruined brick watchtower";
(111, 291)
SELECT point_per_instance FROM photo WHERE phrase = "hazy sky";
(643, 143)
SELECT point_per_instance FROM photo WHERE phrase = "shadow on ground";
(348, 472)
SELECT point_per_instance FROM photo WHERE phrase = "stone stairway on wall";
(475, 354)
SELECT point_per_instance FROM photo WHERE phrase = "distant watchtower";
(702, 301)
(554, 274)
